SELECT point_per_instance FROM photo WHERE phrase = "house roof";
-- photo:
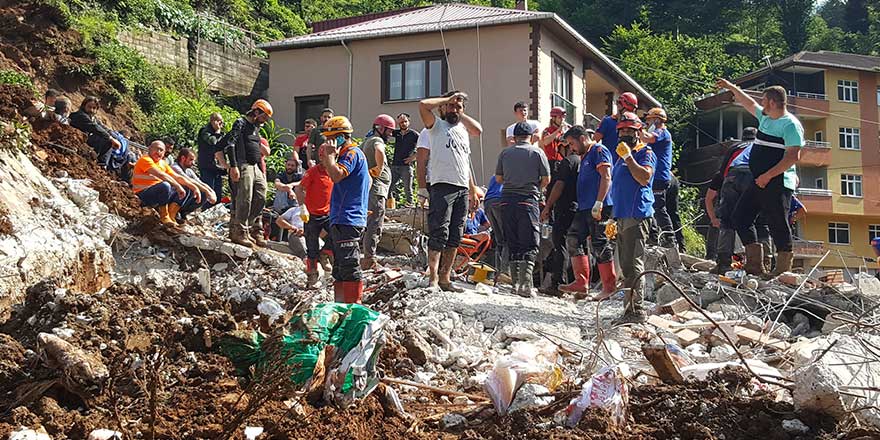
(446, 17)
(822, 58)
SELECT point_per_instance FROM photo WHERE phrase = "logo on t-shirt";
(456, 140)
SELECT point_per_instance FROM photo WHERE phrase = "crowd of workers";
(595, 195)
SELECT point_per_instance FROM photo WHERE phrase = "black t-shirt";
(404, 144)
(207, 142)
(567, 172)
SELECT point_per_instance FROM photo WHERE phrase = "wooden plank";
(685, 337)
(754, 337)
(663, 364)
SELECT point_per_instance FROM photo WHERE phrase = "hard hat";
(658, 113)
(263, 106)
(628, 101)
(386, 121)
(337, 125)
(556, 112)
(629, 120)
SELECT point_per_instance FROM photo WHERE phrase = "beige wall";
(504, 68)
(550, 45)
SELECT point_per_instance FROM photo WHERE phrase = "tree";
(795, 17)
(833, 11)
(856, 16)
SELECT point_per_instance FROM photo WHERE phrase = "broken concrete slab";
(530, 395)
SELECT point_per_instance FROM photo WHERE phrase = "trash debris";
(252, 432)
(29, 434)
(606, 390)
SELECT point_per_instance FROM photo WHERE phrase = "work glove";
(597, 210)
(623, 150)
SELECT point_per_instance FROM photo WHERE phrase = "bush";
(182, 116)
(16, 78)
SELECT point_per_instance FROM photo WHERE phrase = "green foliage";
(181, 116)
(690, 209)
(279, 149)
(16, 78)
(795, 17)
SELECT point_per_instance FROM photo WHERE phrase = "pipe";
(350, 67)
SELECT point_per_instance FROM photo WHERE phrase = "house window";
(847, 91)
(413, 76)
(851, 185)
(562, 87)
(838, 233)
(849, 139)
(309, 107)
(820, 183)
(819, 136)
(873, 232)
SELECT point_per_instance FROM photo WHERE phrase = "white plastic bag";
(606, 390)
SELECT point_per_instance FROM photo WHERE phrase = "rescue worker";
(524, 171)
(347, 167)
(446, 166)
(244, 153)
(660, 140)
(633, 199)
(377, 164)
(158, 186)
(607, 130)
(772, 160)
(594, 208)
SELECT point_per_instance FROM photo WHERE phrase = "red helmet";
(628, 101)
(629, 120)
(556, 112)
(386, 121)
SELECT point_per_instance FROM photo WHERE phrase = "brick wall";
(223, 69)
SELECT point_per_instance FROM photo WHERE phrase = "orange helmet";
(628, 101)
(337, 125)
(263, 106)
(629, 120)
(658, 113)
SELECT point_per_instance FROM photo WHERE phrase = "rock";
(867, 284)
(220, 267)
(105, 434)
(722, 353)
(696, 263)
(529, 396)
(417, 348)
(461, 400)
(792, 279)
(666, 294)
(795, 426)
(452, 422)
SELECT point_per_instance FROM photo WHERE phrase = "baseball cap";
(522, 129)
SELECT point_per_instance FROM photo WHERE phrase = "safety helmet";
(658, 113)
(386, 121)
(629, 120)
(556, 112)
(262, 105)
(337, 125)
(628, 101)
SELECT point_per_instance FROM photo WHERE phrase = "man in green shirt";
(776, 150)
(316, 139)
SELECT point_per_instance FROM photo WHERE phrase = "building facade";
(836, 98)
(386, 63)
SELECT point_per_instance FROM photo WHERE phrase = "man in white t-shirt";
(521, 113)
(291, 221)
(451, 186)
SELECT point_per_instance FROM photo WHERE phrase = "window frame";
(847, 85)
(837, 227)
(819, 136)
(856, 181)
(298, 102)
(385, 61)
(876, 228)
(559, 61)
(820, 183)
(854, 134)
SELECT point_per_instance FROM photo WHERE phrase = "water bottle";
(546, 230)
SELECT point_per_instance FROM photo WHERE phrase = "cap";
(522, 129)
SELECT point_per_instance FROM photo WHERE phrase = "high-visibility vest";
(142, 179)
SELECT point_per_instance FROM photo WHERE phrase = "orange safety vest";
(142, 179)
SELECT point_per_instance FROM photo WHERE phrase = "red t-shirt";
(318, 186)
(300, 141)
(551, 150)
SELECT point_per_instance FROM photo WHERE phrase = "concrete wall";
(222, 69)
(503, 68)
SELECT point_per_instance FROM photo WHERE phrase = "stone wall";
(223, 69)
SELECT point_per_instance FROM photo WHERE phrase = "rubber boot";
(326, 260)
(514, 276)
(311, 273)
(783, 263)
(526, 279)
(339, 291)
(754, 259)
(257, 237)
(173, 209)
(580, 265)
(447, 259)
(722, 264)
(352, 292)
(165, 215)
(238, 236)
(609, 281)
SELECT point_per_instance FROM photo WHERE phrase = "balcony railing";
(559, 101)
(814, 192)
(819, 96)
(817, 144)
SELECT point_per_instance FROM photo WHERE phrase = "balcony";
(808, 95)
(815, 154)
(816, 200)
(559, 101)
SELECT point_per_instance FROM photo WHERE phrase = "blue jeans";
(213, 177)
(162, 194)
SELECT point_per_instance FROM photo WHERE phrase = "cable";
(445, 50)
(480, 105)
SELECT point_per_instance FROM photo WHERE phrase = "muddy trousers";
(584, 226)
(632, 233)
(346, 252)
(250, 197)
(375, 221)
(502, 251)
(663, 215)
(312, 233)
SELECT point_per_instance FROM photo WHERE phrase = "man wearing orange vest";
(158, 186)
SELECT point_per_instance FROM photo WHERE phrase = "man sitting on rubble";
(292, 222)
(62, 110)
(525, 172)
(99, 136)
(158, 186)
(184, 167)
(633, 198)
(285, 197)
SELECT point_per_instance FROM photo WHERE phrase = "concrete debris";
(417, 348)
(868, 285)
(105, 434)
(795, 426)
(453, 422)
(530, 395)
(29, 434)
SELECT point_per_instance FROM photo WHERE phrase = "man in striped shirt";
(158, 186)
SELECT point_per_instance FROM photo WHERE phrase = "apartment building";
(836, 97)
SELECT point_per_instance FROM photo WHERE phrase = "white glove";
(597, 209)
(423, 193)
